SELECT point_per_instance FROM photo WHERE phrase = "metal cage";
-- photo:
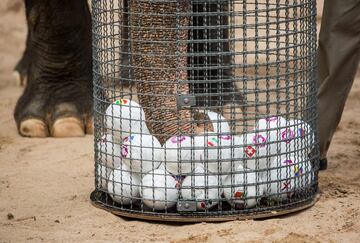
(204, 110)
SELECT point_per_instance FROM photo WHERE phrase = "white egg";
(125, 117)
(243, 188)
(142, 153)
(201, 187)
(123, 185)
(221, 126)
(159, 190)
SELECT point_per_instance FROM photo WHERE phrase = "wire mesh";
(204, 108)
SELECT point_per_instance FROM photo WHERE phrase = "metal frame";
(174, 69)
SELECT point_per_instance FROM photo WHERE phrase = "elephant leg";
(57, 100)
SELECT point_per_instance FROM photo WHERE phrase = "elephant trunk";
(159, 37)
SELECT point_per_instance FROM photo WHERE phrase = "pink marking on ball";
(287, 135)
(288, 161)
(225, 137)
(124, 151)
(259, 140)
(272, 119)
(178, 139)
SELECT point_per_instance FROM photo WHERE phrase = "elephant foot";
(57, 99)
(62, 120)
(62, 127)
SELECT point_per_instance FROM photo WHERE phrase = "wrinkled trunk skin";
(157, 69)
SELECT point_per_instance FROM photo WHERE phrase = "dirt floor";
(45, 183)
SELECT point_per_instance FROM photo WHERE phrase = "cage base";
(193, 218)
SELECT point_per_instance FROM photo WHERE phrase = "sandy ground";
(45, 183)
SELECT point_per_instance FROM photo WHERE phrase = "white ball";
(126, 117)
(110, 153)
(184, 153)
(270, 128)
(219, 123)
(243, 188)
(257, 148)
(254, 150)
(272, 123)
(217, 154)
(109, 158)
(202, 188)
(297, 136)
(123, 186)
(142, 153)
(287, 175)
(180, 154)
(159, 190)
(237, 150)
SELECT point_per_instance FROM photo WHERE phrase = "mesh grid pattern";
(204, 107)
